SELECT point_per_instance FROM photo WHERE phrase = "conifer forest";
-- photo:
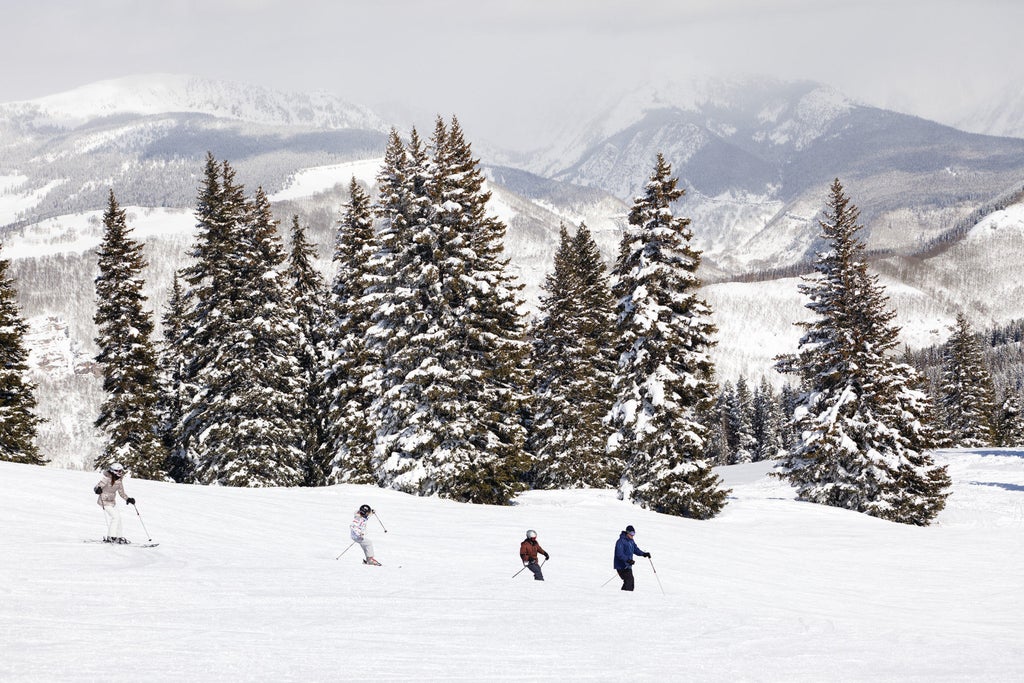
(414, 366)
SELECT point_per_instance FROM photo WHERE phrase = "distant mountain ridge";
(160, 94)
(755, 159)
(754, 156)
(146, 136)
(768, 116)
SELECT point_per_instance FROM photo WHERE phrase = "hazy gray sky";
(506, 63)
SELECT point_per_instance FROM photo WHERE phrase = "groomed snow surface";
(245, 586)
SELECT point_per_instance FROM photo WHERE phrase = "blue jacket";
(625, 549)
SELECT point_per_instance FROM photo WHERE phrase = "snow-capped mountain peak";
(154, 94)
(764, 110)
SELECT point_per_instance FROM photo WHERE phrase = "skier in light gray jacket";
(358, 532)
(108, 488)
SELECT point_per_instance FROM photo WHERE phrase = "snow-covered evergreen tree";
(789, 399)
(169, 382)
(404, 287)
(397, 288)
(242, 386)
(718, 451)
(18, 419)
(573, 369)
(766, 422)
(128, 415)
(967, 393)
(457, 381)
(664, 381)
(310, 304)
(350, 431)
(1011, 422)
(921, 486)
(255, 436)
(862, 416)
(741, 430)
(206, 300)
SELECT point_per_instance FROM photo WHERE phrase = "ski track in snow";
(245, 586)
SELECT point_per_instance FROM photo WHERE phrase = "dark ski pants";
(627, 578)
(535, 568)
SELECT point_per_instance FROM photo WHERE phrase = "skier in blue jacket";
(625, 549)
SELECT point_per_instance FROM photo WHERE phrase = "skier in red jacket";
(528, 551)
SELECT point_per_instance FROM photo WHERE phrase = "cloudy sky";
(508, 65)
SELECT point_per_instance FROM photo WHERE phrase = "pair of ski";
(124, 545)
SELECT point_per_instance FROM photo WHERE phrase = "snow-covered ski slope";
(245, 586)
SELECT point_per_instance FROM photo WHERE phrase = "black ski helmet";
(365, 510)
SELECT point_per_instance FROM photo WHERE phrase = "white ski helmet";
(531, 534)
(116, 468)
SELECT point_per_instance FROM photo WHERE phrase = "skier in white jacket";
(358, 532)
(108, 489)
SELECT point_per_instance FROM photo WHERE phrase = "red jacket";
(529, 548)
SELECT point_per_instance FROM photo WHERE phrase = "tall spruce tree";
(862, 415)
(127, 357)
(18, 419)
(350, 431)
(256, 396)
(241, 385)
(310, 305)
(451, 424)
(573, 369)
(967, 393)
(405, 317)
(206, 300)
(491, 331)
(664, 382)
(399, 289)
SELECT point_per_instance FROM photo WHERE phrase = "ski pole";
(381, 523)
(345, 550)
(149, 538)
(656, 575)
(525, 566)
(609, 580)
